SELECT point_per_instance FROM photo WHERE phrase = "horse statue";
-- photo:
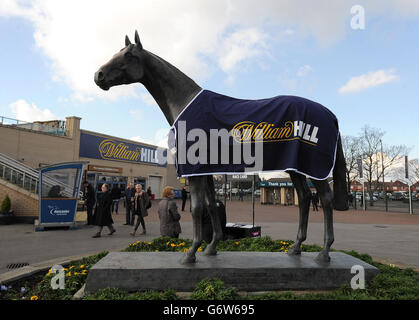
(173, 91)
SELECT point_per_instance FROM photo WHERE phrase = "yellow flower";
(71, 267)
(69, 274)
(156, 250)
(82, 266)
(149, 243)
(236, 243)
(167, 243)
(172, 245)
(199, 249)
(34, 298)
(185, 250)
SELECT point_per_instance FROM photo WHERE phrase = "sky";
(357, 58)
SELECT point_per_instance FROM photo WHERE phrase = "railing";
(25, 177)
(20, 179)
(35, 126)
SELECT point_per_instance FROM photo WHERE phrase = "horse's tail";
(340, 192)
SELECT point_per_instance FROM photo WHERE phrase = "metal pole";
(363, 195)
(410, 200)
(382, 168)
(253, 199)
(225, 190)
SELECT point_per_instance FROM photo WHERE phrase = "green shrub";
(118, 294)
(213, 289)
(6, 204)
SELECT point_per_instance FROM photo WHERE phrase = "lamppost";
(382, 168)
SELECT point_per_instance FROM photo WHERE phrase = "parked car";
(397, 195)
(367, 197)
(234, 191)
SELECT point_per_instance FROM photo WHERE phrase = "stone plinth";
(247, 271)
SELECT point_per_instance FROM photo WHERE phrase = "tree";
(376, 157)
(351, 153)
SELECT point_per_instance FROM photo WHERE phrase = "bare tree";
(413, 171)
(351, 151)
(375, 162)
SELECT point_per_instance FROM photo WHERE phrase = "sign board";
(281, 184)
(406, 167)
(111, 149)
(59, 187)
(359, 162)
(239, 176)
(106, 169)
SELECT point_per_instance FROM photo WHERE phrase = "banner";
(59, 187)
(97, 147)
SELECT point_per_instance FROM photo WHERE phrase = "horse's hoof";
(187, 259)
(323, 257)
(293, 251)
(210, 251)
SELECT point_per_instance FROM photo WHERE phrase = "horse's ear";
(127, 42)
(137, 40)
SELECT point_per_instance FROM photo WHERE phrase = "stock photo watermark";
(358, 19)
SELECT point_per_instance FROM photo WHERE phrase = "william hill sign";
(96, 147)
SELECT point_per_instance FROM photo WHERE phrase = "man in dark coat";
(90, 199)
(129, 204)
(184, 197)
(116, 196)
(103, 216)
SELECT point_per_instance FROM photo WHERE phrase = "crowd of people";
(137, 202)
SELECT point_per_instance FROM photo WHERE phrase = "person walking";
(315, 201)
(116, 196)
(184, 197)
(149, 193)
(90, 199)
(129, 204)
(141, 202)
(103, 216)
(169, 215)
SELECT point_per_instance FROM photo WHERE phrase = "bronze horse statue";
(173, 90)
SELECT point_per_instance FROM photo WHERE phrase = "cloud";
(369, 80)
(199, 37)
(304, 70)
(241, 45)
(24, 111)
(160, 138)
(137, 114)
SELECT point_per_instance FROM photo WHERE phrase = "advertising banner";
(59, 187)
(97, 147)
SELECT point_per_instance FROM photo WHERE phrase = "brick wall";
(24, 203)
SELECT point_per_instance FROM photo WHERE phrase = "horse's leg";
(326, 198)
(217, 235)
(197, 187)
(304, 196)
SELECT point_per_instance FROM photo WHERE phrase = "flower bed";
(391, 283)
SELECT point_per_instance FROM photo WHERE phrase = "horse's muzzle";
(99, 80)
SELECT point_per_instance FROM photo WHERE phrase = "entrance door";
(154, 183)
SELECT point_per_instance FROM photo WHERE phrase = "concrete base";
(247, 271)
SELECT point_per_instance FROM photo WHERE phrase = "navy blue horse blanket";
(296, 134)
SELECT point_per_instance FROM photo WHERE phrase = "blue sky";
(244, 49)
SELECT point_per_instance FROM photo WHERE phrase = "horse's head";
(125, 67)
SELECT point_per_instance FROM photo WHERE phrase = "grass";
(391, 283)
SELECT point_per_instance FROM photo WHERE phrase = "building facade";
(111, 160)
